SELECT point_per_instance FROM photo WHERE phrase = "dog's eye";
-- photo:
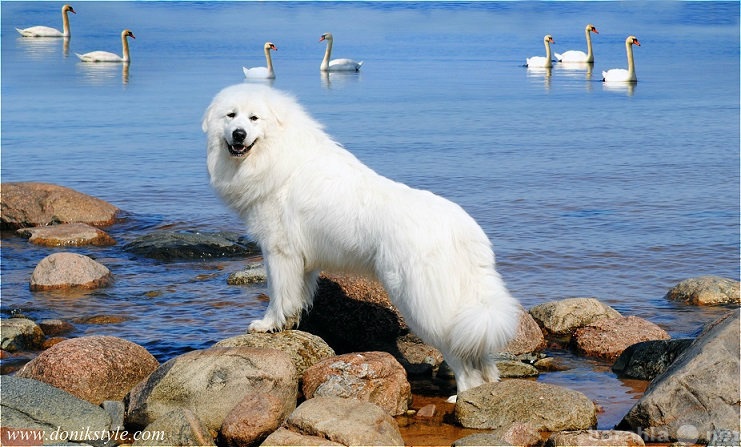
(231, 114)
(254, 118)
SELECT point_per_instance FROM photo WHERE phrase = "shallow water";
(585, 190)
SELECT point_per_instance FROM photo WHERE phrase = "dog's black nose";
(239, 135)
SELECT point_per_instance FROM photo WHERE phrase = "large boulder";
(304, 348)
(706, 290)
(95, 368)
(371, 376)
(69, 270)
(609, 337)
(31, 204)
(179, 427)
(546, 407)
(33, 405)
(561, 318)
(337, 421)
(211, 383)
(697, 397)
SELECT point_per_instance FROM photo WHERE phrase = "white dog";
(312, 206)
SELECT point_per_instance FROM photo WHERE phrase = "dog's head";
(243, 116)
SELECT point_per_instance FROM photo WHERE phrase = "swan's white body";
(336, 64)
(262, 72)
(47, 31)
(621, 74)
(577, 56)
(105, 56)
(540, 61)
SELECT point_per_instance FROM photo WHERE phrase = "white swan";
(47, 31)
(104, 56)
(262, 72)
(336, 64)
(621, 74)
(540, 61)
(580, 56)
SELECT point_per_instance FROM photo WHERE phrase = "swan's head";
(326, 36)
(67, 8)
(592, 29)
(632, 40)
(270, 46)
(127, 33)
(548, 39)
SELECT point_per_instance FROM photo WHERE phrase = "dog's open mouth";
(239, 150)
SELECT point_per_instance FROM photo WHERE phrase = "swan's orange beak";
(635, 41)
(321, 38)
(594, 30)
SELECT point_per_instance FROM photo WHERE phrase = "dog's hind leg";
(291, 290)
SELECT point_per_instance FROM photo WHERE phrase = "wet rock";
(69, 270)
(609, 337)
(594, 438)
(30, 404)
(304, 348)
(20, 334)
(340, 421)
(706, 290)
(528, 338)
(211, 383)
(516, 434)
(353, 314)
(509, 368)
(179, 427)
(648, 359)
(94, 368)
(67, 235)
(697, 397)
(561, 318)
(30, 204)
(546, 407)
(252, 420)
(116, 410)
(55, 327)
(169, 246)
(370, 376)
(419, 359)
(255, 273)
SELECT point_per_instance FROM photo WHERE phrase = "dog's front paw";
(263, 326)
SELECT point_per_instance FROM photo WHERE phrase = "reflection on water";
(626, 88)
(43, 47)
(102, 72)
(339, 78)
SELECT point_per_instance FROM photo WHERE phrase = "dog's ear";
(207, 117)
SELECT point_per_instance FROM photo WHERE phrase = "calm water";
(616, 193)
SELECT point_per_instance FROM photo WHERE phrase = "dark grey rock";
(648, 359)
(170, 246)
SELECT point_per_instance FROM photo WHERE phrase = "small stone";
(69, 270)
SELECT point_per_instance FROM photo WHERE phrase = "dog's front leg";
(286, 286)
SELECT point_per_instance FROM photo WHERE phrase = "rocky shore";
(350, 373)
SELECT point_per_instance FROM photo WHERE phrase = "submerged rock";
(648, 359)
(67, 235)
(706, 290)
(169, 246)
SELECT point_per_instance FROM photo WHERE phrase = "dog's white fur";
(312, 206)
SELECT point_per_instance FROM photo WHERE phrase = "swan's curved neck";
(327, 55)
(65, 23)
(631, 65)
(269, 59)
(590, 55)
(125, 46)
(548, 62)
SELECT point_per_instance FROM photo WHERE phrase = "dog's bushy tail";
(485, 327)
